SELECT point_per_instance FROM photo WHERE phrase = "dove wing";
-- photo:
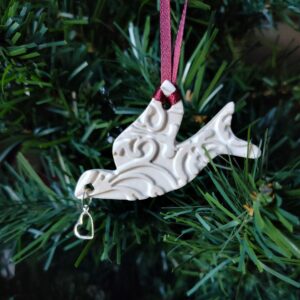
(153, 134)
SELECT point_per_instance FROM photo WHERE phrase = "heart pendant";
(80, 223)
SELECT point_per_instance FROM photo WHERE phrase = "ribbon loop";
(167, 69)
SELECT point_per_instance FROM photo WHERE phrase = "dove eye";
(89, 187)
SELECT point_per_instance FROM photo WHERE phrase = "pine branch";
(74, 74)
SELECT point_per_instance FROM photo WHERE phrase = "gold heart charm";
(80, 223)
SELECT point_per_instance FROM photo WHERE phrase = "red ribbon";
(168, 70)
(172, 99)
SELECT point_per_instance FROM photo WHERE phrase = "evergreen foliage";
(73, 75)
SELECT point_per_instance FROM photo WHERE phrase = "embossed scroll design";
(149, 161)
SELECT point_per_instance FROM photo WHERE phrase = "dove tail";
(230, 144)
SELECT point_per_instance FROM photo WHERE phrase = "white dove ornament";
(150, 162)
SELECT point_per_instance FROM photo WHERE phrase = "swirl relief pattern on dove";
(144, 151)
(149, 161)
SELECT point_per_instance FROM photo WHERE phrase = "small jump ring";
(86, 197)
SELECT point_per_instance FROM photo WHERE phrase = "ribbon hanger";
(169, 68)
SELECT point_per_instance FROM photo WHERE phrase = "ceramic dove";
(149, 162)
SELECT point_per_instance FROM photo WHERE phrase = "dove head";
(94, 183)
